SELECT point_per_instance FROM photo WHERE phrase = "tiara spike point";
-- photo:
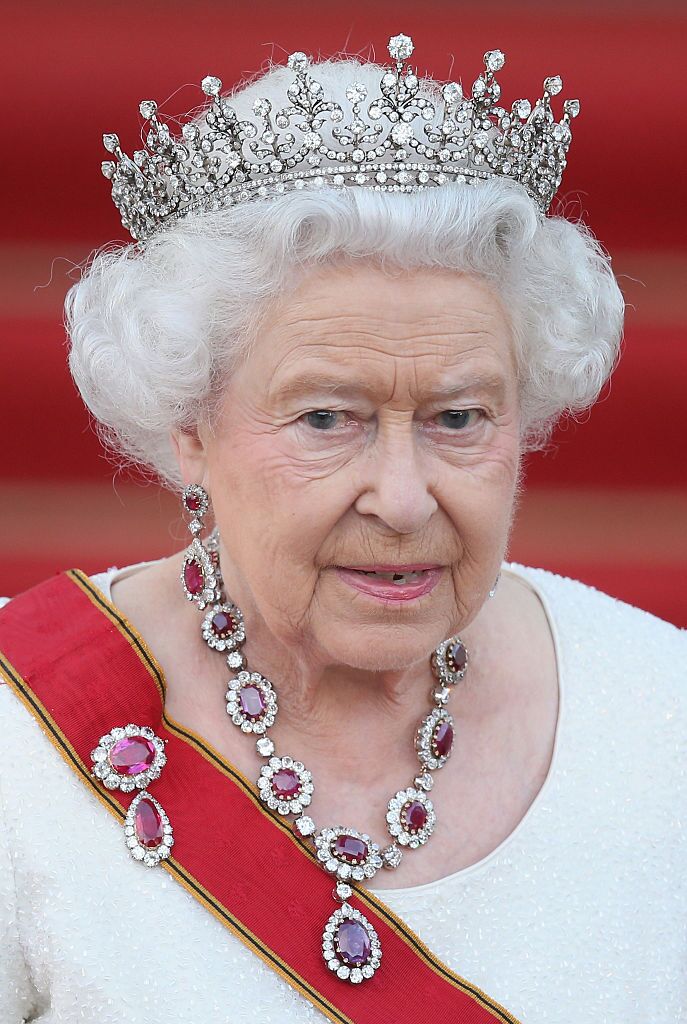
(494, 60)
(148, 109)
(299, 62)
(395, 139)
(553, 85)
(211, 85)
(400, 48)
(111, 142)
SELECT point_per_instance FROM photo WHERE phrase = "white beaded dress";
(578, 917)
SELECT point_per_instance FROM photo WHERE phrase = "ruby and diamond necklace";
(350, 945)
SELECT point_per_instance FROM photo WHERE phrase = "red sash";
(81, 669)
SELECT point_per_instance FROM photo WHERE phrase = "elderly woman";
(357, 766)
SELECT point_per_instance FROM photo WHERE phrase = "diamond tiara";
(220, 160)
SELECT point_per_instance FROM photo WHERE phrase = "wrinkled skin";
(389, 475)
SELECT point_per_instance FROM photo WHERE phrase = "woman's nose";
(395, 483)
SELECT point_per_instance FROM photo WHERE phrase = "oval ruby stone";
(132, 755)
(285, 783)
(192, 502)
(350, 848)
(413, 816)
(193, 577)
(353, 943)
(148, 824)
(252, 702)
(442, 739)
(457, 657)
(222, 624)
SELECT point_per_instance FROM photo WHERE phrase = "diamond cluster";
(114, 776)
(353, 959)
(348, 854)
(402, 139)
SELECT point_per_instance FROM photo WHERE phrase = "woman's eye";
(456, 419)
(322, 419)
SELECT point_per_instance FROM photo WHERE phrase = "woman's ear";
(191, 456)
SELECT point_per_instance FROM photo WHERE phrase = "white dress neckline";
(104, 581)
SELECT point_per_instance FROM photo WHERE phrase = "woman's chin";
(379, 648)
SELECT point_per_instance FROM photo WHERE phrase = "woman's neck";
(331, 713)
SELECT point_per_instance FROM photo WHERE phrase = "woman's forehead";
(392, 299)
(363, 316)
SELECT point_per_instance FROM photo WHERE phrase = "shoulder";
(18, 609)
(24, 741)
(595, 615)
(625, 672)
(642, 651)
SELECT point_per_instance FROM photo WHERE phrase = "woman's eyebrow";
(328, 383)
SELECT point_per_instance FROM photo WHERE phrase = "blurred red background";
(606, 504)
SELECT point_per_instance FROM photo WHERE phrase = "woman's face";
(375, 423)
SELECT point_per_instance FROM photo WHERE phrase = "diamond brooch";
(127, 758)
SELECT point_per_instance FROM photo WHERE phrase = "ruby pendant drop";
(198, 575)
(350, 945)
(147, 830)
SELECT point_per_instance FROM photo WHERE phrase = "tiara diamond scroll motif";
(404, 139)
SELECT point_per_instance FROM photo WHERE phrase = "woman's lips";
(386, 590)
(384, 567)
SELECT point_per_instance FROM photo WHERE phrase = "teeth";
(396, 577)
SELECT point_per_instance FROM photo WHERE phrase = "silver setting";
(212, 539)
(295, 804)
(304, 825)
(236, 712)
(441, 663)
(235, 660)
(196, 552)
(334, 958)
(235, 637)
(395, 825)
(424, 781)
(111, 779)
(424, 745)
(392, 856)
(496, 581)
(441, 694)
(403, 138)
(343, 869)
(149, 857)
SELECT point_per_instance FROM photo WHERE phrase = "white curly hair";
(156, 329)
